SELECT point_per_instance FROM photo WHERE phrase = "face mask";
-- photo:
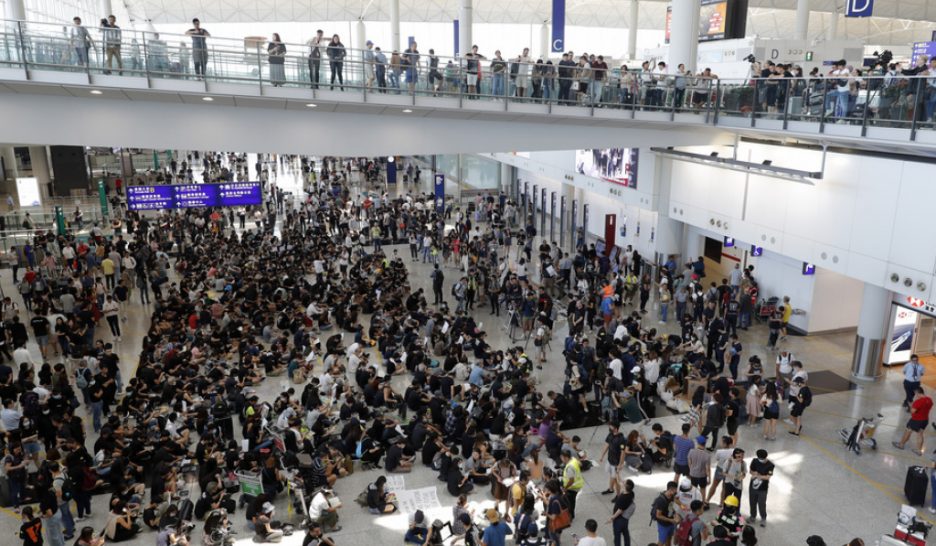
(762, 460)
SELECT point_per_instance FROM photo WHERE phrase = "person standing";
(761, 470)
(315, 57)
(276, 56)
(614, 445)
(411, 62)
(112, 39)
(336, 55)
(199, 46)
(800, 402)
(80, 40)
(624, 507)
(438, 279)
(31, 529)
(919, 419)
(572, 479)
(700, 466)
(913, 375)
(665, 515)
(51, 518)
(591, 537)
(111, 309)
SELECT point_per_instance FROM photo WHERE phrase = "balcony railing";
(865, 101)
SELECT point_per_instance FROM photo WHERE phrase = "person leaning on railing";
(112, 40)
(80, 40)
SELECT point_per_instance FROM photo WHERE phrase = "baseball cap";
(700, 439)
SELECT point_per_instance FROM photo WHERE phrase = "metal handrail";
(42, 46)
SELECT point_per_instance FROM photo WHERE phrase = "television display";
(615, 165)
(713, 20)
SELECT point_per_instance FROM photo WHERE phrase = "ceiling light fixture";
(97, 92)
(311, 105)
(407, 111)
(207, 99)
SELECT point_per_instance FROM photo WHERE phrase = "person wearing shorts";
(700, 465)
(682, 445)
(665, 515)
(919, 419)
(614, 448)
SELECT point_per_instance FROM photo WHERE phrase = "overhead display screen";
(187, 196)
(615, 165)
(713, 20)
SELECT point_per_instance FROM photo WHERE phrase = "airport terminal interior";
(468, 272)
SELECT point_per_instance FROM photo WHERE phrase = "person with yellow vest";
(572, 479)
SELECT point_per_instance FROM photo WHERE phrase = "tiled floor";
(819, 488)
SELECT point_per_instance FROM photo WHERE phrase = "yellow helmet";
(731, 500)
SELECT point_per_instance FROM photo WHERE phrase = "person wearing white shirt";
(616, 368)
(591, 537)
(21, 356)
(10, 416)
(324, 512)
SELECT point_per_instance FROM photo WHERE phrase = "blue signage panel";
(859, 8)
(391, 170)
(227, 194)
(756, 250)
(439, 186)
(729, 242)
(809, 269)
(558, 26)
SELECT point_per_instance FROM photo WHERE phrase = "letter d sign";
(859, 8)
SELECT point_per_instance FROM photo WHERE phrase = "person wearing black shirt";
(621, 513)
(41, 326)
(761, 470)
(566, 70)
(397, 460)
(314, 536)
(614, 444)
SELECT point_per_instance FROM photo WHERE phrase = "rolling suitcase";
(915, 486)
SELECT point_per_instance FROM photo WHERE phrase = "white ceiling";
(895, 21)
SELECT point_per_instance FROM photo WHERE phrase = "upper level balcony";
(103, 89)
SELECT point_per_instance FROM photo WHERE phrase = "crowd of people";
(321, 293)
(887, 90)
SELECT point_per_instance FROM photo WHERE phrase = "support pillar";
(106, 8)
(465, 19)
(544, 41)
(802, 19)
(395, 25)
(14, 10)
(684, 34)
(632, 30)
(9, 162)
(868, 359)
(832, 31)
(360, 39)
(39, 158)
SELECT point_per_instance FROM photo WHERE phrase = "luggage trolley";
(862, 434)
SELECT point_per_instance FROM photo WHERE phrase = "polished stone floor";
(818, 487)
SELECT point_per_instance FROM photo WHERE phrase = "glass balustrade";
(902, 102)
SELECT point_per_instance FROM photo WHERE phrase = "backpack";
(653, 507)
(68, 492)
(683, 535)
(81, 379)
(806, 393)
(453, 290)
(30, 403)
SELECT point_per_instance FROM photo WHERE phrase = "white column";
(9, 161)
(464, 27)
(833, 24)
(360, 38)
(14, 10)
(395, 25)
(39, 158)
(684, 34)
(867, 361)
(544, 40)
(802, 19)
(106, 8)
(632, 30)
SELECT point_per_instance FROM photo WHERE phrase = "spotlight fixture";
(207, 99)
(407, 111)
(311, 105)
(96, 92)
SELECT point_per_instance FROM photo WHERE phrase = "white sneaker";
(932, 510)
